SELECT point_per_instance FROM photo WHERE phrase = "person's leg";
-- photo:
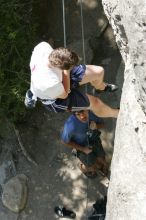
(79, 101)
(91, 170)
(100, 109)
(101, 165)
(94, 75)
(82, 74)
(88, 163)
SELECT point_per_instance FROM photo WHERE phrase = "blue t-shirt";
(76, 131)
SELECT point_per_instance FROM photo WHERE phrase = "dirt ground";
(57, 180)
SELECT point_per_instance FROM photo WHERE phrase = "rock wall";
(127, 189)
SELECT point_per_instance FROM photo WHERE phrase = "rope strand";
(64, 23)
(84, 61)
(86, 89)
(83, 37)
(83, 34)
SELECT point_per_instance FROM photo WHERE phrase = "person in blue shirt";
(81, 133)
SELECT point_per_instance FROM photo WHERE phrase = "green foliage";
(17, 36)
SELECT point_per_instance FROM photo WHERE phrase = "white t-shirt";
(46, 83)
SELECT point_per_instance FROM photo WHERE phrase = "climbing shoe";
(108, 88)
(29, 101)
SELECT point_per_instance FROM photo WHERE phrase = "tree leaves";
(17, 36)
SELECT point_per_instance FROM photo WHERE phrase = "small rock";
(30, 211)
(15, 193)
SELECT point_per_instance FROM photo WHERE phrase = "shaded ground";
(57, 178)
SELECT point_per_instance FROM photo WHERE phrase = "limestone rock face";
(15, 193)
(127, 189)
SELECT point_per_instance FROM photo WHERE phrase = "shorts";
(77, 74)
(76, 101)
(97, 151)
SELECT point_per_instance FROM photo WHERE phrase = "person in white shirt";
(55, 77)
(46, 82)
